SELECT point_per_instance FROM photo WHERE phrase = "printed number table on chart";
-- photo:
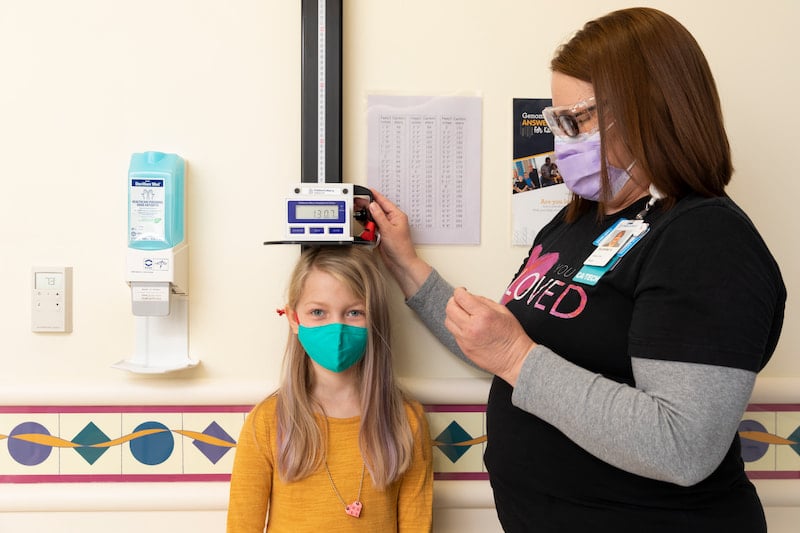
(424, 158)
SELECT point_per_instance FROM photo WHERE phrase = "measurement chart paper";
(424, 154)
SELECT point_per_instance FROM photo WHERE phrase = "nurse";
(625, 348)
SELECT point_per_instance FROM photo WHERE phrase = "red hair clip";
(280, 312)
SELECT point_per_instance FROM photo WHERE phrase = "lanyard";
(613, 244)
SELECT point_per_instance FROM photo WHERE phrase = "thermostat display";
(49, 281)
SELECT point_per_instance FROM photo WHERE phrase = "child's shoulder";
(266, 407)
(415, 411)
(411, 403)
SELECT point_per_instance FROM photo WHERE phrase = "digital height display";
(316, 211)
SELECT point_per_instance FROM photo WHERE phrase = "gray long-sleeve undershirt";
(676, 425)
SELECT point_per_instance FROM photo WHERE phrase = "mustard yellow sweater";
(311, 505)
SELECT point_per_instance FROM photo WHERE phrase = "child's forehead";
(320, 284)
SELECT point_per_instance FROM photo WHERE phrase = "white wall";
(85, 83)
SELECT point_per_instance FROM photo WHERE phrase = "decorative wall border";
(770, 436)
(166, 443)
(195, 443)
(141, 496)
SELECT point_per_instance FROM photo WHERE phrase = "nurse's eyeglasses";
(565, 121)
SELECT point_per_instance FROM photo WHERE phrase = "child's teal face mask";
(336, 346)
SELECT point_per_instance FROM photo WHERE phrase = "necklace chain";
(354, 509)
(336, 490)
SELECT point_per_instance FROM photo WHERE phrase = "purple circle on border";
(28, 453)
(752, 450)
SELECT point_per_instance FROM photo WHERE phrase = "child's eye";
(356, 313)
(316, 313)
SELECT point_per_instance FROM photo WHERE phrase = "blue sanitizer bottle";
(155, 201)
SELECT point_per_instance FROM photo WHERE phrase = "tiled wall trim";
(196, 443)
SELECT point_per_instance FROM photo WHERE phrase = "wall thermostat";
(51, 299)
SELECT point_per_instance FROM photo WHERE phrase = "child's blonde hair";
(385, 435)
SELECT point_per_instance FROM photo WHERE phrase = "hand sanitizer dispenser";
(157, 263)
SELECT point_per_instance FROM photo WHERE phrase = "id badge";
(611, 246)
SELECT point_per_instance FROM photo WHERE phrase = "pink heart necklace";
(354, 509)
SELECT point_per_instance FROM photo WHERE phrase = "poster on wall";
(538, 191)
(424, 154)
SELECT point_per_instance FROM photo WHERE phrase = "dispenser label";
(147, 209)
(150, 294)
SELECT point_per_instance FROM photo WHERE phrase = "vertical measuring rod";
(321, 100)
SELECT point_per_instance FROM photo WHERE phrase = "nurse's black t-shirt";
(699, 287)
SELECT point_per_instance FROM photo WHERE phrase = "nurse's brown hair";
(653, 82)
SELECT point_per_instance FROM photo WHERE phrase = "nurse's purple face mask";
(579, 164)
(578, 152)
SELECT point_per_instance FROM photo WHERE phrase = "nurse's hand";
(396, 248)
(488, 334)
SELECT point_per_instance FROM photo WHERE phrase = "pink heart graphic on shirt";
(354, 509)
